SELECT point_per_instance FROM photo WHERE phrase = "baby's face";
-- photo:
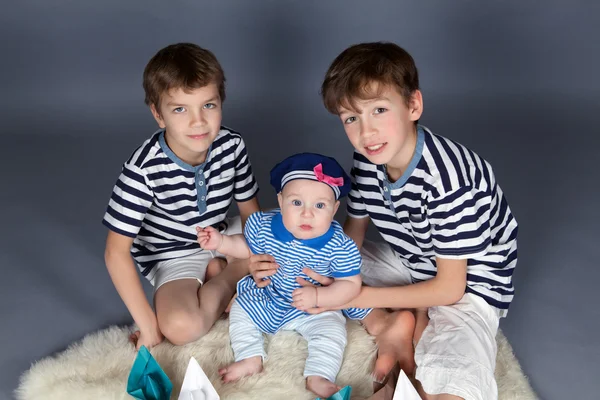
(307, 208)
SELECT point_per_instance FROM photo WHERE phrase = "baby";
(301, 233)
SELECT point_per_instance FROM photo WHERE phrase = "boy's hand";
(305, 298)
(148, 339)
(323, 280)
(262, 266)
(209, 238)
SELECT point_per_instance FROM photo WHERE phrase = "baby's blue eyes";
(210, 106)
(298, 203)
(350, 120)
(179, 110)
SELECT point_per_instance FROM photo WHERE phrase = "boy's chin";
(377, 159)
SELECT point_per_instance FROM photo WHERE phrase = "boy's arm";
(125, 277)
(341, 291)
(247, 208)
(356, 228)
(335, 295)
(447, 287)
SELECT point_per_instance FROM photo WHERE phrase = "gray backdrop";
(513, 80)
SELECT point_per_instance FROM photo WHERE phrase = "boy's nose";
(198, 120)
(367, 130)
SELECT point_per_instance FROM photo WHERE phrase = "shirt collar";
(281, 233)
(173, 157)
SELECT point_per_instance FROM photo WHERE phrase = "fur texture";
(97, 367)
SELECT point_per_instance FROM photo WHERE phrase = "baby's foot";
(240, 369)
(395, 345)
(321, 386)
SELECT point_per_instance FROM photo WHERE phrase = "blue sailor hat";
(311, 166)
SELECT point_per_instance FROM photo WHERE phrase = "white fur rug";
(98, 366)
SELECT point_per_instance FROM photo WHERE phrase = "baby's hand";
(209, 238)
(305, 298)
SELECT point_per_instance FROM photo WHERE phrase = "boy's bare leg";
(186, 311)
(214, 268)
(216, 294)
(394, 337)
(426, 396)
(421, 322)
(178, 311)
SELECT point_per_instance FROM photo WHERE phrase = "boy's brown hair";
(182, 65)
(354, 72)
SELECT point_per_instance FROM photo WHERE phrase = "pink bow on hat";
(330, 180)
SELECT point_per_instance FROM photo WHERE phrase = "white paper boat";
(196, 385)
(405, 389)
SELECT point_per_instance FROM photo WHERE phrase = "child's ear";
(415, 106)
(336, 206)
(159, 119)
(279, 199)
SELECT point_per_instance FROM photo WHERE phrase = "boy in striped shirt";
(301, 234)
(185, 176)
(450, 238)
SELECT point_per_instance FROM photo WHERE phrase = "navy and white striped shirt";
(159, 199)
(447, 204)
(332, 254)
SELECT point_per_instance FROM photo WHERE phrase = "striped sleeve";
(129, 202)
(345, 259)
(355, 207)
(460, 223)
(252, 233)
(245, 185)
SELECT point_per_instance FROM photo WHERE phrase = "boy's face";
(192, 121)
(383, 129)
(307, 208)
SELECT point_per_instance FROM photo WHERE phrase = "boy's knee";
(214, 268)
(215, 263)
(181, 328)
(407, 317)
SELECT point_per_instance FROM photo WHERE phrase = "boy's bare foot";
(321, 386)
(240, 369)
(395, 343)
(214, 268)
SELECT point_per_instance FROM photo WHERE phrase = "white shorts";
(192, 266)
(457, 351)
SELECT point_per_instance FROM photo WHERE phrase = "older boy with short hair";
(185, 176)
